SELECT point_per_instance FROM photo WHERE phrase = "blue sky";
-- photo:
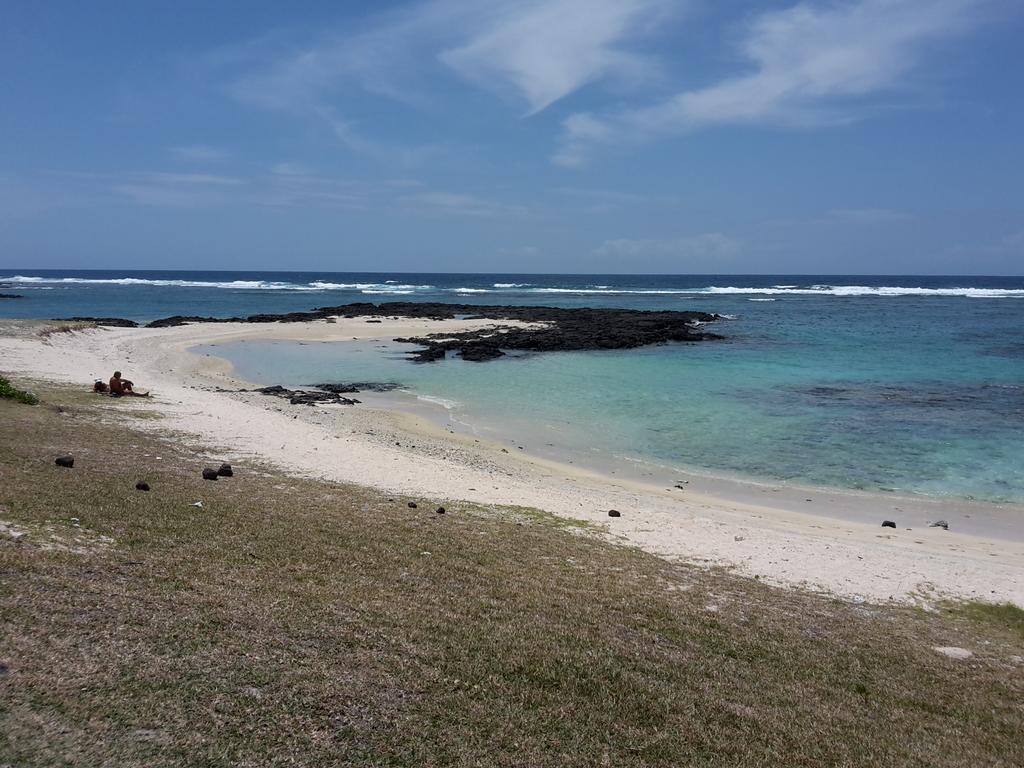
(863, 136)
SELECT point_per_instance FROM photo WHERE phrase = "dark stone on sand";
(888, 524)
(939, 524)
(306, 397)
(374, 321)
(209, 474)
(225, 471)
(614, 513)
(412, 505)
(64, 461)
(558, 328)
(141, 486)
(440, 510)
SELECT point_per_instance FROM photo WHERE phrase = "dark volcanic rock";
(209, 474)
(480, 352)
(614, 513)
(888, 524)
(440, 510)
(307, 397)
(114, 322)
(9, 296)
(65, 461)
(141, 486)
(358, 386)
(412, 505)
(559, 329)
(176, 320)
(226, 471)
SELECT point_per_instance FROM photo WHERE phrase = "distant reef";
(555, 329)
(9, 296)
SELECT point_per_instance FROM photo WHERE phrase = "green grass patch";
(9, 392)
(1005, 616)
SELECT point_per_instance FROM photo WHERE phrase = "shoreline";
(833, 543)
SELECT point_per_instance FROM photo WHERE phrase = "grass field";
(294, 622)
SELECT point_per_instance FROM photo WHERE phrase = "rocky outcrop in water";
(359, 386)
(306, 397)
(9, 296)
(112, 322)
(552, 329)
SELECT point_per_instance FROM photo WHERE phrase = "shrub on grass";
(9, 391)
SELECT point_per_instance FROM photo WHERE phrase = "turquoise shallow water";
(872, 394)
(910, 384)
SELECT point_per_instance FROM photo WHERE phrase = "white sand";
(821, 540)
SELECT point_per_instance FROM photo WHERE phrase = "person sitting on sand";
(123, 387)
(100, 388)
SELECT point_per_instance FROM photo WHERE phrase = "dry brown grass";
(292, 622)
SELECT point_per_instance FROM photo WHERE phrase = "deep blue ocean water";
(896, 383)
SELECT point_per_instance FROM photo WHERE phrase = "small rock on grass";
(142, 486)
(412, 505)
(953, 652)
(440, 510)
(65, 461)
(209, 474)
(614, 513)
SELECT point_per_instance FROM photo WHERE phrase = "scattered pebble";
(64, 461)
(142, 486)
(614, 513)
(888, 524)
(440, 510)
(939, 524)
(737, 538)
(225, 470)
(412, 505)
(209, 474)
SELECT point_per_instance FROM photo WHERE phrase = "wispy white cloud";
(199, 153)
(546, 49)
(454, 204)
(815, 63)
(705, 252)
(538, 51)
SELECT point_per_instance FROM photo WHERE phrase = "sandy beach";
(822, 540)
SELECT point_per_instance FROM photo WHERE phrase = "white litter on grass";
(953, 652)
(197, 504)
(56, 538)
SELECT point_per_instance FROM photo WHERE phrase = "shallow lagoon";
(910, 394)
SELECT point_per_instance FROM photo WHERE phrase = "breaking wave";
(865, 290)
(238, 285)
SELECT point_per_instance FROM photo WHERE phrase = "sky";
(594, 136)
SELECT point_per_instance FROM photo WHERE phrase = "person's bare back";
(120, 387)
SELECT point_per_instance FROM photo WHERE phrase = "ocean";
(884, 383)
